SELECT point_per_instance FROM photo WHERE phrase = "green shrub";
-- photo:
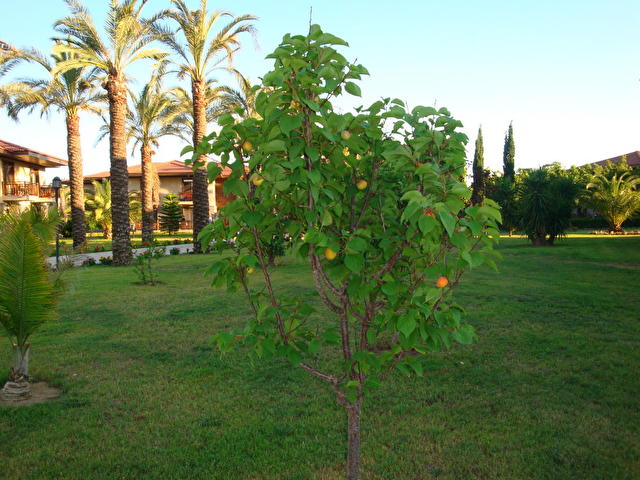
(544, 202)
(601, 223)
(143, 265)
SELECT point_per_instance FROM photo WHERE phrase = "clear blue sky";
(567, 73)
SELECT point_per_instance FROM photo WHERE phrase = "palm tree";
(152, 117)
(71, 92)
(99, 205)
(8, 59)
(197, 57)
(185, 106)
(615, 198)
(232, 101)
(128, 39)
(27, 294)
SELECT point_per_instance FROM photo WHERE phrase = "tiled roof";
(174, 168)
(13, 150)
(633, 159)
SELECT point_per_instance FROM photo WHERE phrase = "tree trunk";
(117, 92)
(146, 187)
(539, 240)
(353, 454)
(20, 362)
(200, 192)
(76, 181)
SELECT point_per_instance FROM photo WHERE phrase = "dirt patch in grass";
(40, 392)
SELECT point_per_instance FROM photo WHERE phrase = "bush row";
(601, 223)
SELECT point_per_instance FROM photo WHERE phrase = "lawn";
(549, 391)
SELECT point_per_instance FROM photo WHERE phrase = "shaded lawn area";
(549, 391)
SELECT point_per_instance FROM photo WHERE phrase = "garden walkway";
(77, 259)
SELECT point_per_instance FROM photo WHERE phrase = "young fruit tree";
(374, 201)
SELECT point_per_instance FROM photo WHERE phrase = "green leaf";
(250, 260)
(225, 119)
(406, 325)
(354, 262)
(464, 334)
(412, 196)
(327, 219)
(421, 111)
(448, 221)
(353, 89)
(251, 218)
(311, 104)
(358, 244)
(274, 146)
(427, 223)
(289, 122)
(213, 170)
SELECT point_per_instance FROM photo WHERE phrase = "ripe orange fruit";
(361, 185)
(429, 212)
(257, 180)
(442, 282)
(247, 146)
(330, 254)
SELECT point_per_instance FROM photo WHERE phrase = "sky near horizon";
(567, 73)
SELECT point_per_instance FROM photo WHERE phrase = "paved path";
(81, 257)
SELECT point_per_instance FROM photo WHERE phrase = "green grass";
(96, 239)
(549, 391)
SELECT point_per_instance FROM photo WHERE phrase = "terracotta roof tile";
(174, 168)
(9, 148)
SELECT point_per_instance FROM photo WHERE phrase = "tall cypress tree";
(478, 171)
(509, 155)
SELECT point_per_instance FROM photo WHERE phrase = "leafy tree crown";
(374, 202)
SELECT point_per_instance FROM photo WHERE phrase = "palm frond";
(27, 296)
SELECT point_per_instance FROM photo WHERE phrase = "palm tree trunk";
(146, 187)
(76, 181)
(20, 361)
(117, 92)
(200, 192)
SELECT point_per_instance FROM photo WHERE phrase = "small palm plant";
(98, 203)
(27, 292)
(615, 198)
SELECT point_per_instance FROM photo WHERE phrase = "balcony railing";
(27, 189)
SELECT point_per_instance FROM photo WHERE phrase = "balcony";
(185, 195)
(27, 189)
